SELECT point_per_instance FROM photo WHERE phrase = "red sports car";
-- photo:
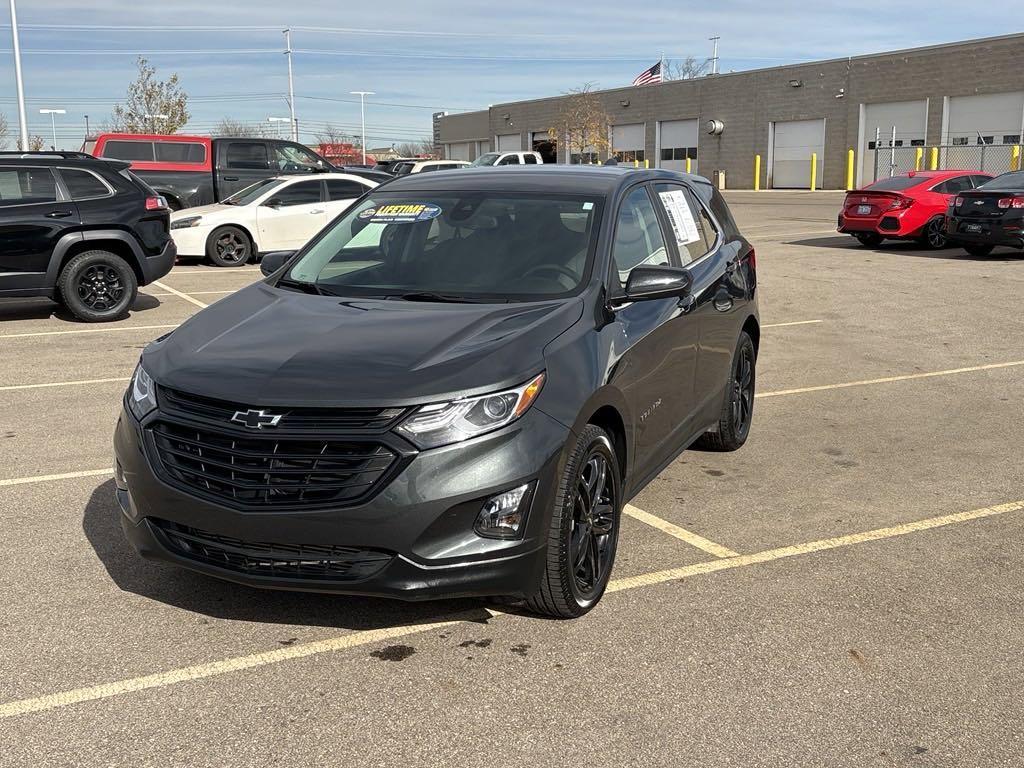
(911, 206)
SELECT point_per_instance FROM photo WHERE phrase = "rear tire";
(97, 286)
(978, 249)
(933, 237)
(584, 530)
(229, 247)
(869, 239)
(738, 408)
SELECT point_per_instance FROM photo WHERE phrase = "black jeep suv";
(81, 231)
(452, 390)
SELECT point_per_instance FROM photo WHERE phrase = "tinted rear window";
(1014, 180)
(896, 183)
(83, 184)
(180, 152)
(129, 150)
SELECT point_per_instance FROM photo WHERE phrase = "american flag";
(648, 76)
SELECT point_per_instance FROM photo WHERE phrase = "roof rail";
(59, 153)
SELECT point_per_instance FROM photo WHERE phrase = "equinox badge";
(256, 419)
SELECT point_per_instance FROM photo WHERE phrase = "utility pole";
(86, 127)
(53, 122)
(291, 83)
(17, 76)
(362, 115)
(714, 54)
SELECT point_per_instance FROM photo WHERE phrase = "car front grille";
(284, 561)
(271, 471)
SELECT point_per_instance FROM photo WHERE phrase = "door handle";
(317, 210)
(59, 214)
(230, 178)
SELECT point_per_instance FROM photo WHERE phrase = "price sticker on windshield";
(401, 213)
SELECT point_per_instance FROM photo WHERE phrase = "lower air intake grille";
(285, 561)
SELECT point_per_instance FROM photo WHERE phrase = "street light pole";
(277, 124)
(291, 83)
(362, 115)
(53, 122)
(17, 77)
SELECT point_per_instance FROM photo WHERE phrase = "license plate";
(971, 228)
(863, 210)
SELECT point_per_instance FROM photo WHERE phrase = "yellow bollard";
(933, 159)
(757, 173)
(647, 163)
(849, 168)
(1015, 158)
(636, 163)
(918, 157)
(688, 166)
(814, 171)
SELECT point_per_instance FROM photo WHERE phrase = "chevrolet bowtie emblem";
(256, 419)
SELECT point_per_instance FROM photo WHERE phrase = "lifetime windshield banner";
(401, 213)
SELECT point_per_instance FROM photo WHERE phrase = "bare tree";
(582, 123)
(35, 144)
(149, 96)
(5, 132)
(228, 126)
(687, 69)
(331, 134)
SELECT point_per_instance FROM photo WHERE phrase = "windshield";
(253, 191)
(489, 158)
(1012, 180)
(455, 246)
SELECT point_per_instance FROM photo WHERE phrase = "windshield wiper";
(436, 297)
(300, 285)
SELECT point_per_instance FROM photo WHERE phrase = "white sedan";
(278, 214)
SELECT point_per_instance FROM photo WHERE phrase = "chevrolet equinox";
(450, 391)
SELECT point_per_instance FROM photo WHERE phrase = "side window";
(301, 193)
(979, 180)
(180, 152)
(509, 160)
(954, 185)
(692, 227)
(340, 189)
(129, 150)
(529, 159)
(428, 168)
(291, 157)
(82, 184)
(24, 186)
(248, 155)
(638, 238)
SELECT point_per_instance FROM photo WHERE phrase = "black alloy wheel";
(738, 409)
(97, 286)
(100, 287)
(979, 250)
(592, 539)
(869, 239)
(229, 247)
(934, 235)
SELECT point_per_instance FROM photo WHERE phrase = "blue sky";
(426, 56)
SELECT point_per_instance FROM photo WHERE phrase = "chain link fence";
(990, 158)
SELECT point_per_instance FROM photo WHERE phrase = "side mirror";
(656, 282)
(274, 202)
(273, 261)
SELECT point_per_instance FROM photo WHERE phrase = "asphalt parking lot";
(844, 591)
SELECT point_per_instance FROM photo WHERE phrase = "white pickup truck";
(509, 158)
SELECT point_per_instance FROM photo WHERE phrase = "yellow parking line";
(368, 637)
(682, 534)
(87, 330)
(674, 574)
(47, 385)
(890, 379)
(795, 322)
(62, 476)
(179, 294)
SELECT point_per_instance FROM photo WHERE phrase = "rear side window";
(340, 189)
(979, 180)
(954, 185)
(82, 184)
(529, 159)
(694, 231)
(302, 193)
(895, 183)
(180, 152)
(1013, 180)
(24, 186)
(638, 238)
(129, 150)
(249, 155)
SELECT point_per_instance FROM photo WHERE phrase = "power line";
(375, 31)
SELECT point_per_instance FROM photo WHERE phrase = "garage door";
(510, 142)
(628, 142)
(678, 141)
(911, 121)
(995, 120)
(460, 151)
(793, 143)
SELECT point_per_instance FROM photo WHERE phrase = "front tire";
(869, 239)
(980, 250)
(738, 409)
(229, 247)
(97, 286)
(584, 530)
(934, 235)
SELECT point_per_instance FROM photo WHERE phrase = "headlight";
(141, 393)
(185, 223)
(439, 424)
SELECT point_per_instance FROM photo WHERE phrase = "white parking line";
(62, 476)
(682, 534)
(179, 294)
(795, 322)
(49, 384)
(88, 330)
(889, 379)
(195, 293)
(215, 271)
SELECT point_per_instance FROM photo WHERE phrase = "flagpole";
(661, 67)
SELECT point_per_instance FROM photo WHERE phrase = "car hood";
(269, 346)
(202, 210)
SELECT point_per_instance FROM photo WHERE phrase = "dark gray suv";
(452, 390)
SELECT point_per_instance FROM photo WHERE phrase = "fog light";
(502, 516)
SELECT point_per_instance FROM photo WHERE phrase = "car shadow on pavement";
(218, 599)
(842, 242)
(43, 309)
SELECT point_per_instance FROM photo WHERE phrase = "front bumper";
(423, 519)
(989, 232)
